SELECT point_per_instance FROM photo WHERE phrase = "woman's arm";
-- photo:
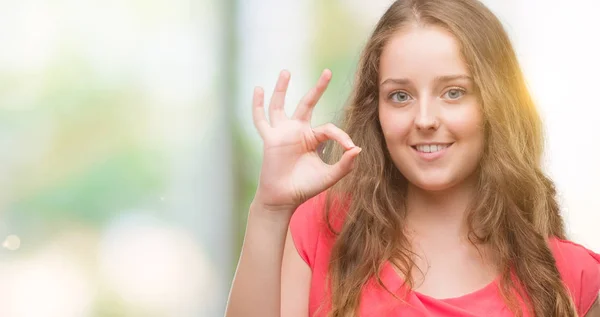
(257, 283)
(272, 279)
(295, 282)
(291, 173)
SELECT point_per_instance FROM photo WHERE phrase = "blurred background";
(128, 155)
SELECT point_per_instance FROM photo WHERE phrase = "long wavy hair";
(514, 211)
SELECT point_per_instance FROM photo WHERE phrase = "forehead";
(421, 53)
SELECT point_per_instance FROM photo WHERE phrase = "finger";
(276, 107)
(344, 166)
(258, 111)
(308, 102)
(330, 132)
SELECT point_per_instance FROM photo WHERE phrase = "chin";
(439, 183)
(432, 182)
(432, 186)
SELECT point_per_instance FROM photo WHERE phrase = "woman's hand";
(292, 170)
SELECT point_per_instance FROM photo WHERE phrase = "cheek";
(466, 124)
(395, 125)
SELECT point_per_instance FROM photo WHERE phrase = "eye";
(399, 96)
(454, 93)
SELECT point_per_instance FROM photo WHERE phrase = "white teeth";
(431, 148)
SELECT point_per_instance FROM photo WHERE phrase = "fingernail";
(359, 150)
(350, 144)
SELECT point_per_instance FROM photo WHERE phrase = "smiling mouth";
(431, 148)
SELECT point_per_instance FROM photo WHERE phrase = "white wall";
(559, 49)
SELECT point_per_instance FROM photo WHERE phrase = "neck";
(439, 213)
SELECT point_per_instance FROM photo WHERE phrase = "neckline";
(395, 283)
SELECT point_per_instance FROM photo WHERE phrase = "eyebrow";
(437, 80)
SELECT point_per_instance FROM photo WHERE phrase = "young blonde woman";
(436, 204)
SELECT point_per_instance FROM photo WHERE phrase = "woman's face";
(429, 109)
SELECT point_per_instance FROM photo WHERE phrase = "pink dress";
(579, 269)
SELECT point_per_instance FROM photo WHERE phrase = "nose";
(426, 118)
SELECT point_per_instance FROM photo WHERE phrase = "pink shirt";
(579, 269)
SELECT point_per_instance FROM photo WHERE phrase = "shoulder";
(309, 218)
(574, 260)
(311, 228)
(579, 268)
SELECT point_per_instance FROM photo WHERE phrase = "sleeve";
(580, 271)
(306, 226)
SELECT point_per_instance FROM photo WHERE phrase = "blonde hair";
(515, 209)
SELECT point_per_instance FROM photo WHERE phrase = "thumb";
(340, 169)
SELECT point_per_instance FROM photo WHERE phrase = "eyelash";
(391, 96)
(462, 90)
